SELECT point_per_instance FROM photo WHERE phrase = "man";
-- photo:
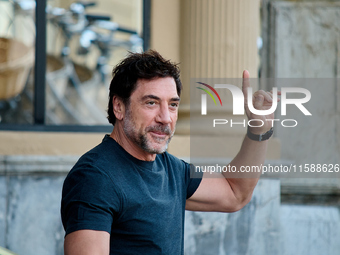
(128, 195)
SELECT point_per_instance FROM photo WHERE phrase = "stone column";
(218, 40)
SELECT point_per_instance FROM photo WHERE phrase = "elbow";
(243, 203)
(237, 204)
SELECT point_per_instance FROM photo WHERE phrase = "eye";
(151, 103)
(174, 105)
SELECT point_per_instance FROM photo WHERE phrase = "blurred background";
(56, 58)
(84, 40)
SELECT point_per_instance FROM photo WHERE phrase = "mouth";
(159, 135)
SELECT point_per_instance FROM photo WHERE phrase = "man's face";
(151, 114)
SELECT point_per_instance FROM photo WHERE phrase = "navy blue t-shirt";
(140, 203)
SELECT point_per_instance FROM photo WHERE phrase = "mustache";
(163, 129)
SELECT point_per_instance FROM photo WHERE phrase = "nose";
(163, 115)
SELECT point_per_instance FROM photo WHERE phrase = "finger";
(267, 96)
(278, 92)
(245, 74)
(258, 102)
(245, 84)
(271, 96)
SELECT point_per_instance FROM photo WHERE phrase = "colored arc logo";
(209, 93)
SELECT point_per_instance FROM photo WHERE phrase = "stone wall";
(30, 193)
(254, 230)
(301, 40)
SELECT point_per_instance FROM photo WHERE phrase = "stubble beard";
(140, 138)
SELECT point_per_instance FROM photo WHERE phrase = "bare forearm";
(252, 155)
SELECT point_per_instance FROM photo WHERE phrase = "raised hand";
(263, 101)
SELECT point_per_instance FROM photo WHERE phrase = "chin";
(155, 145)
(158, 148)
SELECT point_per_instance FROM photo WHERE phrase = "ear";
(118, 107)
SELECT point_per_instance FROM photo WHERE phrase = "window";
(63, 85)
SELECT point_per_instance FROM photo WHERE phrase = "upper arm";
(214, 194)
(86, 242)
(89, 201)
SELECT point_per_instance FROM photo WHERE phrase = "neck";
(129, 146)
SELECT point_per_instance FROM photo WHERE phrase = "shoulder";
(99, 158)
(89, 181)
(89, 170)
(85, 176)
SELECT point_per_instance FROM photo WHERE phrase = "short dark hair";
(147, 65)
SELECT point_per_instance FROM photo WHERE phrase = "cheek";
(174, 118)
(144, 119)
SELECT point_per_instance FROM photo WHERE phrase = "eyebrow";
(157, 98)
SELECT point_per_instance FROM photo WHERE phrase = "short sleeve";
(193, 179)
(89, 200)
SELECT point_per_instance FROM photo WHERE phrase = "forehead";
(161, 87)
